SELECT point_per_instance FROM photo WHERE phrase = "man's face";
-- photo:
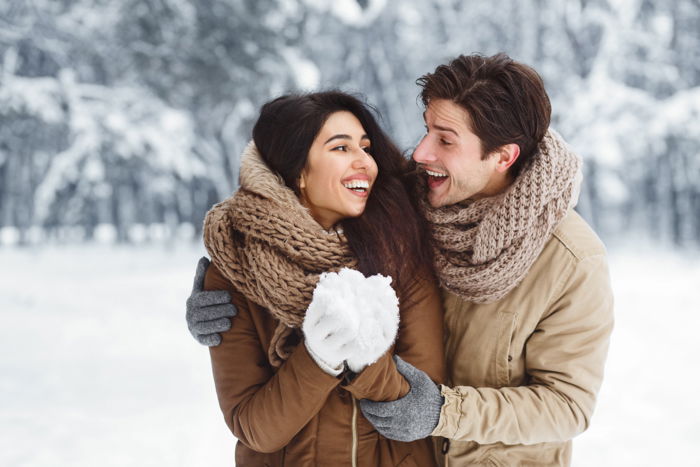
(450, 155)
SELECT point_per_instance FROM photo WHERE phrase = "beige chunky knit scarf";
(485, 247)
(270, 248)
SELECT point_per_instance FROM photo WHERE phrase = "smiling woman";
(322, 189)
(339, 172)
(303, 138)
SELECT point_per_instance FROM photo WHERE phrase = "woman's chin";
(356, 211)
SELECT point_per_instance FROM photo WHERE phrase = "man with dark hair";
(528, 303)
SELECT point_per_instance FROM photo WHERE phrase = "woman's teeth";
(435, 174)
(357, 185)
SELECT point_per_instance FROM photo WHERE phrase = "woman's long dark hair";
(390, 237)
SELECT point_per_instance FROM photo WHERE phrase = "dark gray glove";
(412, 417)
(208, 312)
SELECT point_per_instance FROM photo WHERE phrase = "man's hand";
(208, 312)
(412, 417)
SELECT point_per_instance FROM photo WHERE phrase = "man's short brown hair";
(505, 99)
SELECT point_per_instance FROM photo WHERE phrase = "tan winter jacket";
(523, 372)
(297, 415)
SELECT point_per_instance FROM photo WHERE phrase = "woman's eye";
(342, 148)
(367, 149)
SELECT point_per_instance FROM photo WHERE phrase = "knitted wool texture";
(270, 248)
(485, 247)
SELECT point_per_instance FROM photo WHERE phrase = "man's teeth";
(435, 174)
(364, 184)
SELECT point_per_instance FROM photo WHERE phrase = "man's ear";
(507, 155)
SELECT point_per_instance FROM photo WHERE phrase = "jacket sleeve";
(419, 342)
(565, 358)
(263, 409)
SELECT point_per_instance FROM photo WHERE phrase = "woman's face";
(339, 172)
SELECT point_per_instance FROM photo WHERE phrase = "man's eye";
(444, 142)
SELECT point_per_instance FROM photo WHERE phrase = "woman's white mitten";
(331, 322)
(377, 309)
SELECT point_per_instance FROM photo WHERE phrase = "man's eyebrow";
(343, 137)
(443, 128)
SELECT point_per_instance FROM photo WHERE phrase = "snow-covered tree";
(135, 112)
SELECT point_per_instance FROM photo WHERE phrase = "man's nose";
(424, 152)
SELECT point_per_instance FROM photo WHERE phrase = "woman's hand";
(351, 319)
(330, 325)
(378, 310)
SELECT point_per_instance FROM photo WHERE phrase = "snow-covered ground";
(648, 412)
(98, 367)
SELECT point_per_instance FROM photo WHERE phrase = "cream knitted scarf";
(270, 248)
(485, 247)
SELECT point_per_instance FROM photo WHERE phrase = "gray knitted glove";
(208, 312)
(412, 417)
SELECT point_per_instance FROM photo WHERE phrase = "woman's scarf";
(267, 244)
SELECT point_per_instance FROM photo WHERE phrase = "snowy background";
(121, 123)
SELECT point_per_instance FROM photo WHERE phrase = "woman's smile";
(340, 171)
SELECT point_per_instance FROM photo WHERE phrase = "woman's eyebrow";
(343, 137)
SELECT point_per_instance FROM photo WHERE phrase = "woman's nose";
(361, 160)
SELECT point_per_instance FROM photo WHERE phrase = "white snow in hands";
(364, 306)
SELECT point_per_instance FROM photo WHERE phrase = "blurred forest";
(123, 120)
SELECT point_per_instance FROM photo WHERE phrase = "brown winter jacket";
(298, 415)
(525, 370)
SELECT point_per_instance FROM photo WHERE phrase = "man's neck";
(498, 184)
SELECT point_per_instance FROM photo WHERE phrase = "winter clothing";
(485, 247)
(268, 245)
(298, 415)
(526, 356)
(412, 417)
(208, 314)
(351, 318)
(283, 408)
(524, 371)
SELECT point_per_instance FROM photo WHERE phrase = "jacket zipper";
(444, 450)
(354, 432)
